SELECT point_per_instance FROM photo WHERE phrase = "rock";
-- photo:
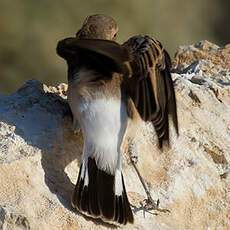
(2, 217)
(11, 220)
(203, 50)
(40, 154)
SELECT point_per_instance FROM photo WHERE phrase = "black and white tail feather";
(101, 195)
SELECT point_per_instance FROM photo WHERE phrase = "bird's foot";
(149, 205)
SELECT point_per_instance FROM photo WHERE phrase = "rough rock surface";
(40, 155)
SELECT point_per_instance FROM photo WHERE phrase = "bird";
(109, 86)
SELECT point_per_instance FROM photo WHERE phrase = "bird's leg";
(149, 203)
(75, 124)
(76, 127)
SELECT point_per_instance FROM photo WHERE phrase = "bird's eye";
(115, 35)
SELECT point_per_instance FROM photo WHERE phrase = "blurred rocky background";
(30, 30)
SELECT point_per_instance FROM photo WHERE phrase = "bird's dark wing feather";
(104, 52)
(150, 84)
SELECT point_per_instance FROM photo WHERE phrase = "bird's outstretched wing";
(102, 52)
(150, 85)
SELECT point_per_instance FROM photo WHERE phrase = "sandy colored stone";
(40, 155)
(219, 56)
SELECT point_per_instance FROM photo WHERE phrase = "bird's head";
(98, 26)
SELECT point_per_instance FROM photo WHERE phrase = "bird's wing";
(150, 85)
(108, 52)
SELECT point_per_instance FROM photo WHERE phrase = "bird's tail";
(101, 195)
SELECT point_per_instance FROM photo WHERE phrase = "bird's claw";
(150, 204)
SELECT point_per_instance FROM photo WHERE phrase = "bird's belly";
(102, 120)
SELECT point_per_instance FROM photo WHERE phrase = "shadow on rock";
(39, 118)
(54, 163)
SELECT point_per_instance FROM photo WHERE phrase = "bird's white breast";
(103, 123)
(103, 120)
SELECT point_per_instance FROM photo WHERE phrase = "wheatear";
(110, 84)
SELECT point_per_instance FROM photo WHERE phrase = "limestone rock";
(203, 50)
(40, 155)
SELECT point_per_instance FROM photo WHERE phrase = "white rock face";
(40, 154)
